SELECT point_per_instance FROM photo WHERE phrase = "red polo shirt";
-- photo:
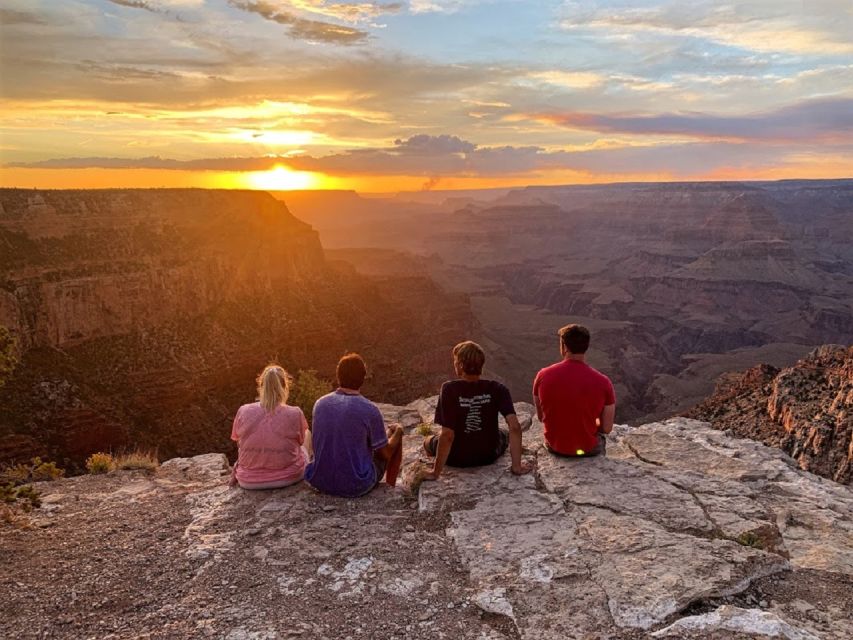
(572, 395)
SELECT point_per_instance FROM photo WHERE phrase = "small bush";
(45, 470)
(36, 471)
(424, 429)
(8, 359)
(18, 474)
(306, 389)
(100, 463)
(137, 460)
(27, 494)
(750, 539)
(8, 493)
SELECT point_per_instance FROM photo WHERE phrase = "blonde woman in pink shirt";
(272, 437)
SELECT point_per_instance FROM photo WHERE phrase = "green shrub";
(36, 471)
(45, 470)
(8, 493)
(8, 359)
(100, 463)
(27, 494)
(750, 539)
(306, 389)
(424, 429)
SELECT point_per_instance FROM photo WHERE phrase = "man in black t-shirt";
(467, 412)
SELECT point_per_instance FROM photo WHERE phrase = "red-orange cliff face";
(806, 410)
(142, 317)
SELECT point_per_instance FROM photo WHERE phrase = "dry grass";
(98, 463)
(139, 459)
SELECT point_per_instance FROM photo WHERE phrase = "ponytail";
(273, 387)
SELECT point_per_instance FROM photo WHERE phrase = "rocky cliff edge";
(681, 531)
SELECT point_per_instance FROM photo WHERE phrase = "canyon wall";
(679, 282)
(140, 314)
(806, 410)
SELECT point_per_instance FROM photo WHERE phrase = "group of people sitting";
(348, 450)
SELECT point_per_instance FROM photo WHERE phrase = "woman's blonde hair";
(273, 387)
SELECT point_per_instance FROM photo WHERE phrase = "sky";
(383, 96)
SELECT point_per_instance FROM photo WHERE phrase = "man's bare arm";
(445, 440)
(395, 434)
(608, 415)
(518, 466)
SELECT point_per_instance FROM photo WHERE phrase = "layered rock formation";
(681, 531)
(666, 275)
(805, 410)
(142, 317)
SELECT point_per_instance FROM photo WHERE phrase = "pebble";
(328, 507)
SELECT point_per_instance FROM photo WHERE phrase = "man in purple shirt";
(351, 446)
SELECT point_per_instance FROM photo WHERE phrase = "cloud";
(303, 28)
(349, 11)
(9, 17)
(156, 6)
(438, 157)
(827, 120)
(443, 6)
(820, 27)
(425, 145)
(134, 4)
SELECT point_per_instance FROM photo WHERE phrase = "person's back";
(269, 436)
(575, 402)
(270, 444)
(346, 429)
(467, 413)
(352, 449)
(470, 408)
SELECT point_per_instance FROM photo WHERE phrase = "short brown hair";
(575, 338)
(470, 356)
(351, 371)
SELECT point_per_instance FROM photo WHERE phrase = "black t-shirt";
(471, 409)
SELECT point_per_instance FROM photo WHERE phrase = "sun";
(281, 178)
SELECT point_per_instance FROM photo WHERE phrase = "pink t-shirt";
(269, 443)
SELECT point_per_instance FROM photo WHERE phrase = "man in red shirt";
(575, 402)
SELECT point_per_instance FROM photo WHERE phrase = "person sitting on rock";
(576, 403)
(467, 412)
(270, 435)
(352, 448)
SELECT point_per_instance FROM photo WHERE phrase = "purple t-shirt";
(346, 430)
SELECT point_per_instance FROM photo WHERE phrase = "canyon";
(806, 409)
(141, 318)
(679, 282)
(140, 315)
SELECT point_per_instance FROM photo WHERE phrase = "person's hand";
(430, 475)
(392, 430)
(523, 467)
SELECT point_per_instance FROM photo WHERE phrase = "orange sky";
(438, 94)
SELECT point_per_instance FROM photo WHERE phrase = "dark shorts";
(380, 465)
(431, 445)
(600, 450)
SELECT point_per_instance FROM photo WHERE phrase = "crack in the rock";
(640, 457)
(717, 530)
